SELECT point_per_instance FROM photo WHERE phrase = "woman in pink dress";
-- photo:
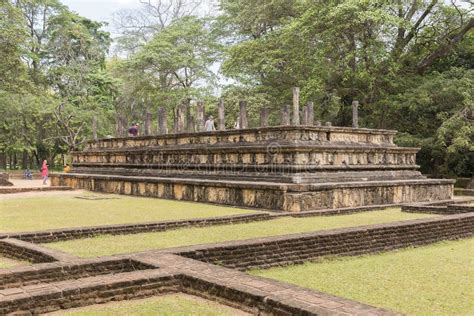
(44, 171)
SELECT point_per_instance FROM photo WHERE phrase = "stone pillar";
(147, 123)
(221, 115)
(304, 115)
(264, 117)
(285, 115)
(189, 117)
(181, 118)
(200, 116)
(355, 114)
(162, 121)
(94, 128)
(243, 114)
(296, 106)
(310, 113)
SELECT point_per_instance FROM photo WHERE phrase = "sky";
(100, 10)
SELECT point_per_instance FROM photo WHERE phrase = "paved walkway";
(27, 187)
(28, 183)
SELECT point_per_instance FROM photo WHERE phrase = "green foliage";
(338, 51)
(409, 63)
(12, 35)
(52, 82)
(174, 66)
(437, 115)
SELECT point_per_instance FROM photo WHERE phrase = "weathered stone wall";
(367, 193)
(279, 168)
(295, 134)
(265, 195)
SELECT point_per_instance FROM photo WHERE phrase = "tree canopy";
(408, 62)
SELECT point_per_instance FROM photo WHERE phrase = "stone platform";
(289, 168)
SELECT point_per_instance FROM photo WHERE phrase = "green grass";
(26, 214)
(107, 245)
(6, 263)
(163, 305)
(431, 280)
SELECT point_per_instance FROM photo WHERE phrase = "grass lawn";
(431, 280)
(33, 213)
(107, 245)
(6, 263)
(177, 304)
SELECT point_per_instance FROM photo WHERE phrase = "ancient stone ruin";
(289, 168)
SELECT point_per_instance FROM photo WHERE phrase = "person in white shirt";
(209, 125)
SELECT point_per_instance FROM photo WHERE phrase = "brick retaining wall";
(298, 248)
(44, 298)
(457, 206)
(55, 235)
(55, 272)
(19, 250)
(120, 229)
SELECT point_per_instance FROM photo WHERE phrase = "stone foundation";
(286, 168)
(285, 197)
(78, 282)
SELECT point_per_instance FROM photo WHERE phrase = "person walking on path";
(44, 172)
(209, 125)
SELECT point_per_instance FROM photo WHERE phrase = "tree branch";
(442, 51)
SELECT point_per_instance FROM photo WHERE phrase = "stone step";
(242, 174)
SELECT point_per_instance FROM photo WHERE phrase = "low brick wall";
(249, 293)
(17, 249)
(298, 248)
(55, 272)
(44, 298)
(47, 236)
(457, 206)
(438, 209)
(83, 232)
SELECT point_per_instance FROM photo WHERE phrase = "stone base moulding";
(266, 195)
